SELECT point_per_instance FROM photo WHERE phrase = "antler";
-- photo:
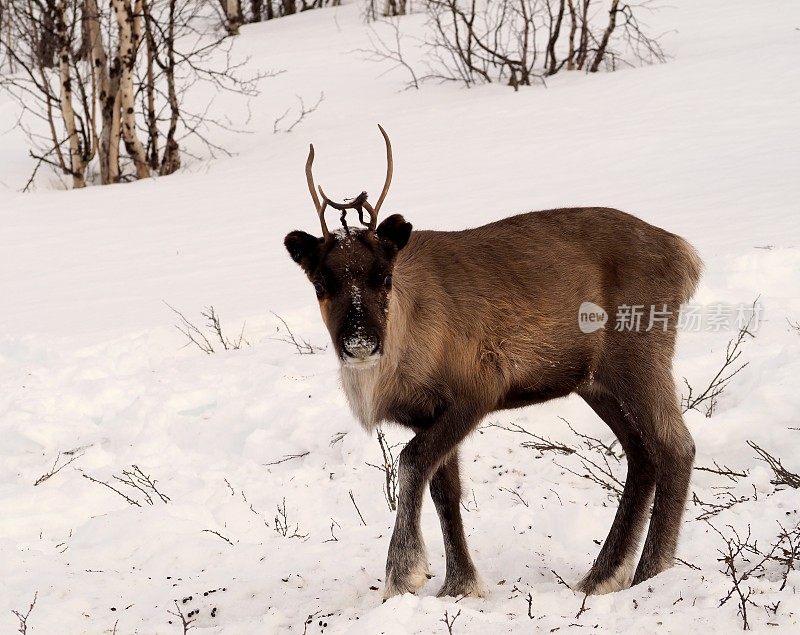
(389, 172)
(358, 202)
(312, 189)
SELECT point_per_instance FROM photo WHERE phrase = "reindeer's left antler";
(310, 179)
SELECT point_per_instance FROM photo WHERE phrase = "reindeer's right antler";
(358, 202)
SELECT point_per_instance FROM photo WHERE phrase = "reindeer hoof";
(459, 586)
(411, 581)
(599, 582)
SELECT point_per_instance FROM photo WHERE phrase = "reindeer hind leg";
(614, 567)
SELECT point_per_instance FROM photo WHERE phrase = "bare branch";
(707, 399)
(302, 112)
(56, 468)
(23, 617)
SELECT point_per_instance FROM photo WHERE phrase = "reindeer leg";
(407, 563)
(613, 569)
(672, 448)
(461, 578)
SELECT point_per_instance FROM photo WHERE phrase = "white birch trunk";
(129, 25)
(77, 166)
(108, 97)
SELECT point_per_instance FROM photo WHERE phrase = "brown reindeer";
(434, 330)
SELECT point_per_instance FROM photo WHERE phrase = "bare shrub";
(283, 526)
(519, 41)
(134, 486)
(474, 42)
(389, 469)
(723, 499)
(538, 443)
(389, 51)
(723, 496)
(745, 561)
(213, 327)
(782, 477)
(300, 344)
(706, 400)
(599, 461)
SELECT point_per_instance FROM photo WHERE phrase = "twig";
(785, 552)
(288, 457)
(559, 579)
(709, 396)
(726, 501)
(688, 564)
(56, 468)
(516, 494)
(282, 524)
(583, 608)
(389, 468)
(303, 113)
(449, 621)
(302, 346)
(213, 324)
(216, 533)
(352, 498)
(23, 618)
(723, 470)
(539, 443)
(139, 482)
(186, 621)
(128, 499)
(336, 438)
(782, 475)
(383, 51)
(333, 537)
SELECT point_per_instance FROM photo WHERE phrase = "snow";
(90, 361)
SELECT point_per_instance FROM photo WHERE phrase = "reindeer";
(436, 329)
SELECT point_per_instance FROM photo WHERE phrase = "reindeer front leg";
(407, 562)
(461, 578)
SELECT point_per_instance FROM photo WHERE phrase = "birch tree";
(123, 75)
(129, 28)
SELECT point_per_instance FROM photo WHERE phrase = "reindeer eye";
(320, 289)
(387, 281)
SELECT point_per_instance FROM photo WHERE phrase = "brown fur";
(493, 311)
(486, 319)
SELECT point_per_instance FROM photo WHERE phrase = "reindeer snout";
(360, 348)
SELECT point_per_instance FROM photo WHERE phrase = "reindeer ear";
(396, 230)
(303, 248)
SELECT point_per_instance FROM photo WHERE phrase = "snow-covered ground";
(93, 371)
